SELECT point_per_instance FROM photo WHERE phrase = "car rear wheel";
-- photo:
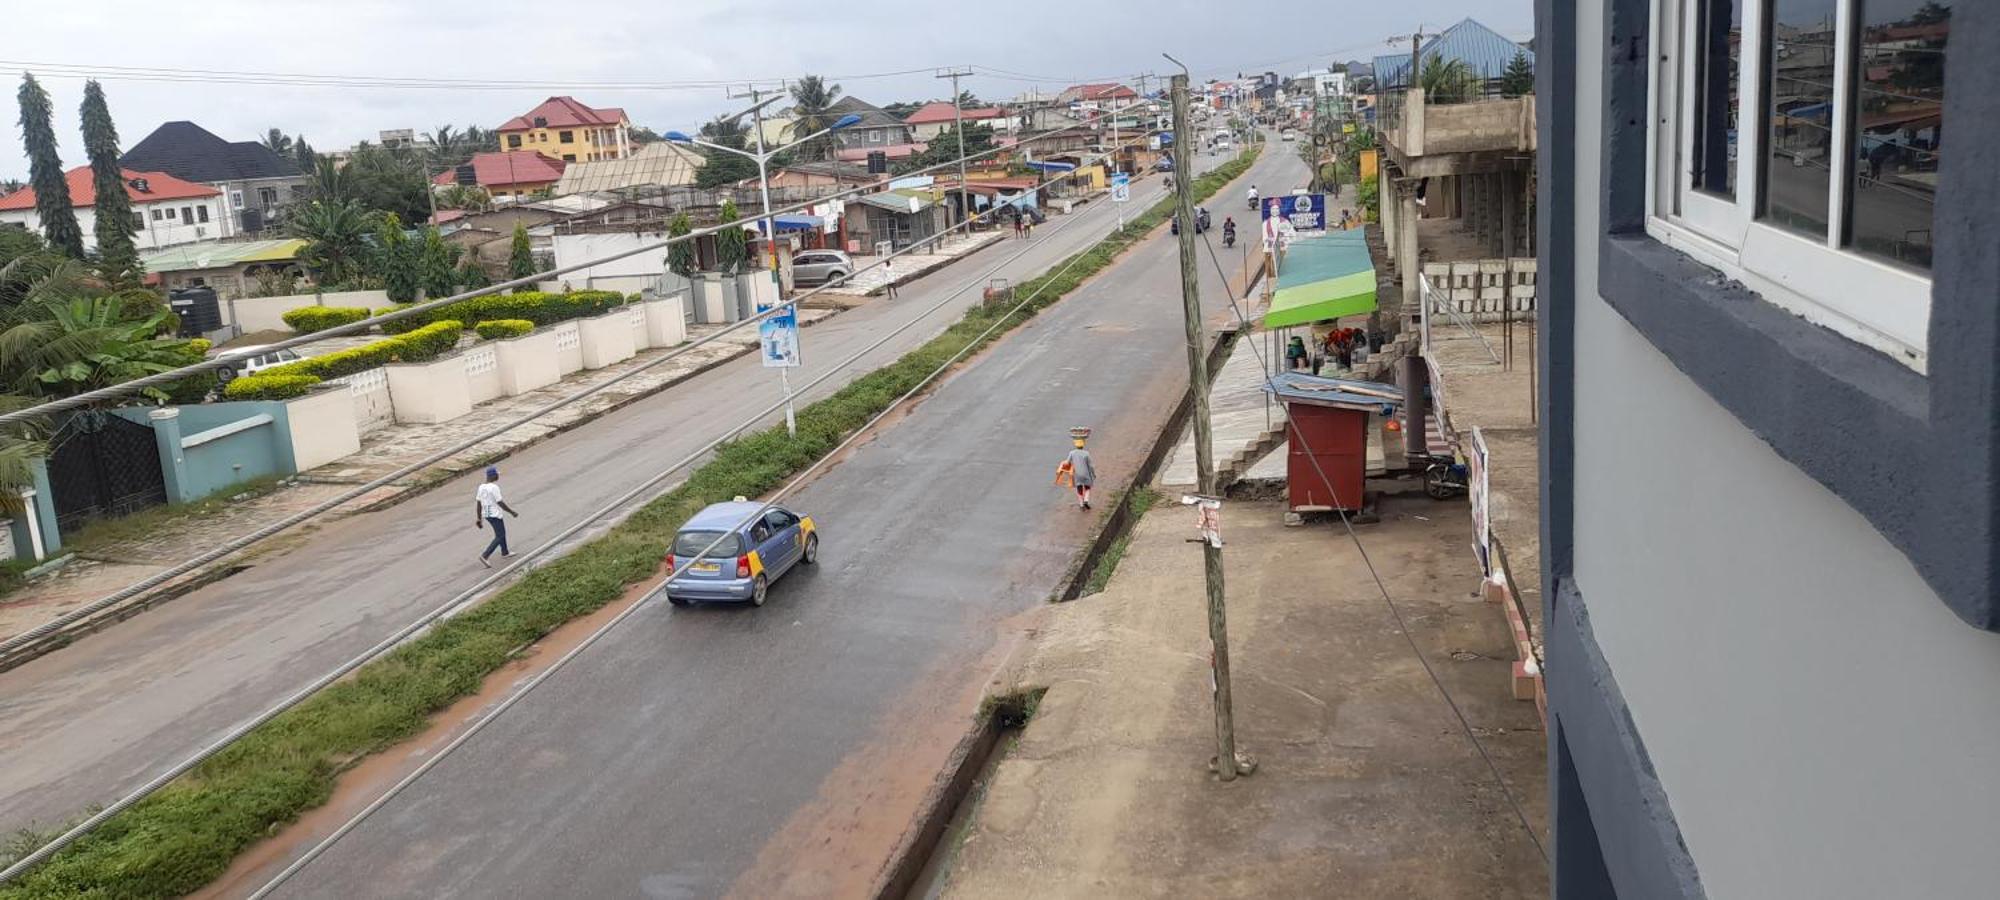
(759, 589)
(812, 550)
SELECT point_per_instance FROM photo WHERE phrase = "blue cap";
(492, 471)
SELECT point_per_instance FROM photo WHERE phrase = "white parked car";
(1290, 135)
(250, 360)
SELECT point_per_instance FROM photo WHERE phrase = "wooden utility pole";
(1226, 764)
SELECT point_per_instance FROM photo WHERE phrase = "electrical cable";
(218, 552)
(137, 384)
(303, 79)
(1402, 625)
(465, 598)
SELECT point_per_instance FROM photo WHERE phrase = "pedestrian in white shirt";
(487, 507)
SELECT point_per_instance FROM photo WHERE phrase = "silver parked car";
(250, 360)
(821, 267)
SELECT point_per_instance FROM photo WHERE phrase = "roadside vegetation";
(185, 835)
(1140, 500)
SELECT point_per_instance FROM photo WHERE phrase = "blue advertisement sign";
(1306, 212)
(778, 337)
(1121, 187)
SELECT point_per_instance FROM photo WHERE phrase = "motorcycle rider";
(1253, 196)
(1228, 231)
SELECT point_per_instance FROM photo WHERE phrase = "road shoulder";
(1367, 787)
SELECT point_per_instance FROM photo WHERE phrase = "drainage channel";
(1004, 717)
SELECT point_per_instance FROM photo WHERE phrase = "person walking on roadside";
(889, 277)
(487, 507)
(1081, 473)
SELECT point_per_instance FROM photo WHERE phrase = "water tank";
(253, 220)
(198, 310)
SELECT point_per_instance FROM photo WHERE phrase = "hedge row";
(278, 382)
(495, 329)
(308, 319)
(183, 836)
(536, 307)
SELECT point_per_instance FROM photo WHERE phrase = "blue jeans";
(499, 537)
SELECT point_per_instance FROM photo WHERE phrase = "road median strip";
(186, 834)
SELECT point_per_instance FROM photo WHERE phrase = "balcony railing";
(1413, 128)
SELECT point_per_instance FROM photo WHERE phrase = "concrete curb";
(235, 563)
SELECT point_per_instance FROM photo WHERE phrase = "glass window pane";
(1894, 134)
(1718, 67)
(1798, 138)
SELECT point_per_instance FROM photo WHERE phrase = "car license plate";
(706, 568)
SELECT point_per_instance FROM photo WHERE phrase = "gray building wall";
(1755, 694)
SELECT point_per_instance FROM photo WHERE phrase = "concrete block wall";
(527, 363)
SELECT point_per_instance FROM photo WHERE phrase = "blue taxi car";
(752, 547)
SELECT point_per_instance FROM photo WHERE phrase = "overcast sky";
(578, 46)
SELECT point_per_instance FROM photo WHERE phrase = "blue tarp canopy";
(795, 222)
(1053, 166)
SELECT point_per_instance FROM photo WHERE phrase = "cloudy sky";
(482, 62)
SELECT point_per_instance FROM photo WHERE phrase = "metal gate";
(101, 465)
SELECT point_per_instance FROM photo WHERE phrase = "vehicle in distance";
(821, 267)
(1200, 221)
(1290, 135)
(250, 360)
(734, 551)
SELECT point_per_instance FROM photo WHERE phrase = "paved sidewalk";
(1366, 785)
(396, 446)
(104, 567)
(912, 266)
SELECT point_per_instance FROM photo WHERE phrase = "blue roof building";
(1485, 51)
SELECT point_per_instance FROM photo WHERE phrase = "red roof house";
(935, 118)
(567, 129)
(510, 174)
(142, 187)
(1098, 93)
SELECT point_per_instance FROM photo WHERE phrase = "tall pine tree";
(45, 171)
(117, 256)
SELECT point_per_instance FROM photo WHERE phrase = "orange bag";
(1065, 474)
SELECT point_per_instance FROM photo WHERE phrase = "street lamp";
(762, 158)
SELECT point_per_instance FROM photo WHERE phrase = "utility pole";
(1227, 764)
(958, 119)
(756, 96)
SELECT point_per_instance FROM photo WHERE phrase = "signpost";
(1480, 483)
(1121, 191)
(778, 339)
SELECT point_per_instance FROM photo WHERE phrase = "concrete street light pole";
(1227, 764)
(756, 96)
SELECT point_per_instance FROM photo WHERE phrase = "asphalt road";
(89, 722)
(782, 751)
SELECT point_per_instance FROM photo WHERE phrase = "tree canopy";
(1519, 78)
(45, 171)
(114, 225)
(812, 112)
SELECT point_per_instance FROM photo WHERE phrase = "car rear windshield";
(690, 543)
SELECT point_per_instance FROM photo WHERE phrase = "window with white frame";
(1796, 147)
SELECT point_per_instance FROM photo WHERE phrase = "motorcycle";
(1253, 204)
(1445, 477)
(1228, 238)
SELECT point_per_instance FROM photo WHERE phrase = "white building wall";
(153, 234)
(1822, 724)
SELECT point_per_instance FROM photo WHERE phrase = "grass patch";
(186, 834)
(1013, 709)
(103, 533)
(1139, 500)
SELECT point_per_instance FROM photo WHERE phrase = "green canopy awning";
(1323, 278)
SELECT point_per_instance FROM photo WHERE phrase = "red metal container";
(1337, 439)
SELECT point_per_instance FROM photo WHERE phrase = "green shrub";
(435, 339)
(495, 329)
(308, 319)
(270, 387)
(535, 307)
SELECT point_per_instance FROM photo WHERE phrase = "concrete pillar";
(1510, 214)
(44, 509)
(166, 423)
(1408, 264)
(1415, 380)
(1385, 200)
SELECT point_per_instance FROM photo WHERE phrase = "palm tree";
(812, 112)
(336, 235)
(328, 181)
(1448, 82)
(278, 142)
(727, 131)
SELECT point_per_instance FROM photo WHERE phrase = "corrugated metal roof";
(219, 254)
(661, 164)
(1486, 51)
(899, 201)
